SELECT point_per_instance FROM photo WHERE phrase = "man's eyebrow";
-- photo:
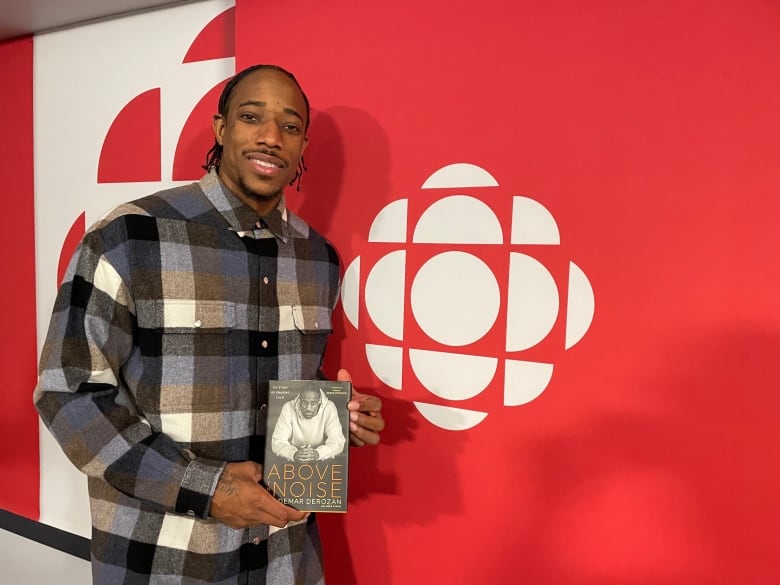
(263, 104)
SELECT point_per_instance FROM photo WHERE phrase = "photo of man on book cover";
(306, 454)
(308, 428)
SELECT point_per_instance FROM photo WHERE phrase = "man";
(308, 428)
(175, 312)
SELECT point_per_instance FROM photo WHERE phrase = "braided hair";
(214, 155)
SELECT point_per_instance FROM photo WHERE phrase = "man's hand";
(240, 501)
(365, 416)
(306, 454)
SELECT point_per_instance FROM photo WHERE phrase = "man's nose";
(269, 134)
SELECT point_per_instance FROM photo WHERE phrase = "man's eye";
(248, 117)
(292, 128)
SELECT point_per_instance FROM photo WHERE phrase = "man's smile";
(266, 164)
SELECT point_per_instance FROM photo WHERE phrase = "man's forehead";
(268, 82)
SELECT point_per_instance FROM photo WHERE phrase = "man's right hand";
(240, 501)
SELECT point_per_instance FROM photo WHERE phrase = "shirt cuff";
(198, 486)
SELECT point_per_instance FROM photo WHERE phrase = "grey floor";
(25, 562)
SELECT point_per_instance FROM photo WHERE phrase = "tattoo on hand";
(228, 485)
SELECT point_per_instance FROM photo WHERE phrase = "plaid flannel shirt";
(175, 312)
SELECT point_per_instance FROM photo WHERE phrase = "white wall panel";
(83, 78)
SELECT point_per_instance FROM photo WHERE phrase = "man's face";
(309, 403)
(262, 136)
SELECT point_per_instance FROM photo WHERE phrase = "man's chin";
(263, 188)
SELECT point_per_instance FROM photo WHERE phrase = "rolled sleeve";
(198, 486)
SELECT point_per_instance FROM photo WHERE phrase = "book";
(307, 444)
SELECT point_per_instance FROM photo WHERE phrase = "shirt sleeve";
(282, 436)
(334, 444)
(82, 401)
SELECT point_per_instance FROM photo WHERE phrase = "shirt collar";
(241, 218)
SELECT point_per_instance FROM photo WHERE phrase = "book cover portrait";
(306, 452)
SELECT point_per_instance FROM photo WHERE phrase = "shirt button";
(190, 512)
(265, 280)
(197, 323)
(264, 344)
(316, 324)
(256, 540)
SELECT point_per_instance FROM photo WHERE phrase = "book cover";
(306, 449)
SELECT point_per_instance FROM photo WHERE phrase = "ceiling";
(24, 17)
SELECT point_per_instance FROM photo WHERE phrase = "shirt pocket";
(303, 334)
(194, 317)
(312, 320)
(188, 354)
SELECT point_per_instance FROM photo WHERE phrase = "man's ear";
(218, 124)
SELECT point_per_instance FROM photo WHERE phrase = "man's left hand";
(365, 415)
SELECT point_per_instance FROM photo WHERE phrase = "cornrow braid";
(214, 155)
(299, 174)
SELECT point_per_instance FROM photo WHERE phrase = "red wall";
(650, 131)
(18, 419)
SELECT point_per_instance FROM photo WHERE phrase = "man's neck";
(260, 204)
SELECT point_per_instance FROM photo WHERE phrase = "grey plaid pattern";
(175, 312)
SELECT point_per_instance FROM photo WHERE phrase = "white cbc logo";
(455, 297)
